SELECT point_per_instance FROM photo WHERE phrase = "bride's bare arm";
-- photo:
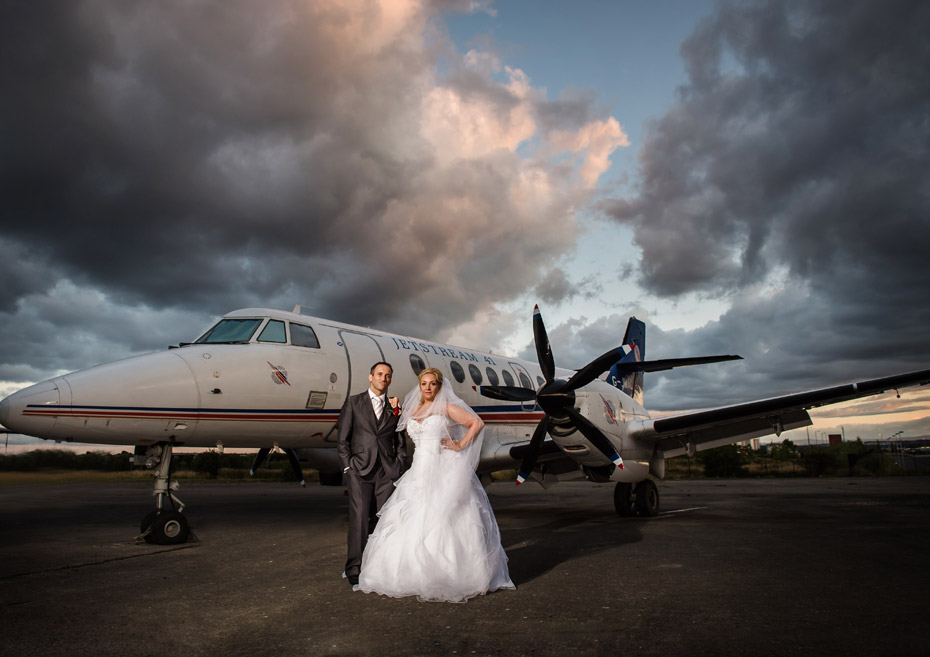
(472, 423)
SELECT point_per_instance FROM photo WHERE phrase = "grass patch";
(57, 476)
(49, 476)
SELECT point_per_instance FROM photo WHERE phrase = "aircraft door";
(524, 380)
(362, 351)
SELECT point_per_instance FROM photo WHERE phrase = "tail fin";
(631, 383)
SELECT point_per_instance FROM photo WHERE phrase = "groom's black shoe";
(353, 580)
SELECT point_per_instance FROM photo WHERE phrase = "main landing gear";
(166, 525)
(641, 499)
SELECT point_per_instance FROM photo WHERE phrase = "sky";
(747, 178)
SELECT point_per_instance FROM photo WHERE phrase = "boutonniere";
(393, 408)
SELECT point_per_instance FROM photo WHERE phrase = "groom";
(372, 456)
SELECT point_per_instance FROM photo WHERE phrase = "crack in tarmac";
(96, 563)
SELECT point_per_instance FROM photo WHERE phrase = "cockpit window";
(230, 330)
(303, 336)
(273, 332)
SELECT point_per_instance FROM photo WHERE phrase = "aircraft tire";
(623, 499)
(647, 499)
(169, 528)
(148, 520)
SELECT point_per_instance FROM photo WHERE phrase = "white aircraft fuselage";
(265, 393)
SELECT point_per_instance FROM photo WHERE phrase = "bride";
(437, 537)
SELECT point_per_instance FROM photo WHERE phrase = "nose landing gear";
(164, 525)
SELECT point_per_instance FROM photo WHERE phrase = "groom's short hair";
(381, 362)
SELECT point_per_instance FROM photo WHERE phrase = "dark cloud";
(555, 287)
(799, 140)
(189, 158)
(790, 179)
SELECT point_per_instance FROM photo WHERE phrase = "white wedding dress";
(437, 537)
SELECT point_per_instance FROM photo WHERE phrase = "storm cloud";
(164, 163)
(177, 160)
(789, 180)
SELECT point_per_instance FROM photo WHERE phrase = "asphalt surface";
(759, 567)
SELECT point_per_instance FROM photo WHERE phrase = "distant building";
(835, 439)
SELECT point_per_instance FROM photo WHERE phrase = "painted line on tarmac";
(693, 508)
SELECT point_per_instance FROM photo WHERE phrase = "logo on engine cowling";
(609, 414)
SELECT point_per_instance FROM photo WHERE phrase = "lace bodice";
(429, 430)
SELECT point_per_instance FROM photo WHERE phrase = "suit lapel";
(366, 400)
(384, 412)
(371, 411)
(385, 408)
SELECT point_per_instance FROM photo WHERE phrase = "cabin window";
(230, 330)
(525, 381)
(457, 371)
(508, 378)
(540, 380)
(475, 373)
(273, 332)
(303, 336)
(417, 364)
(492, 376)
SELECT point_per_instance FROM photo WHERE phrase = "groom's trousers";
(367, 494)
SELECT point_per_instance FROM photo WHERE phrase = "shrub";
(819, 461)
(723, 462)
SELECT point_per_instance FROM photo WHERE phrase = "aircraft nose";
(23, 412)
(5, 412)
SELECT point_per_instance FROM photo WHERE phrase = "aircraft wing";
(680, 434)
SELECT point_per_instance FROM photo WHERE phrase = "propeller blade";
(529, 461)
(543, 348)
(295, 465)
(507, 393)
(596, 367)
(670, 363)
(259, 459)
(594, 434)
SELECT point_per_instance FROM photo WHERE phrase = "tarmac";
(731, 567)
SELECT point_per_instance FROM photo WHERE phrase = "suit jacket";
(366, 442)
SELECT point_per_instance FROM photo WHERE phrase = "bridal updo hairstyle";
(434, 372)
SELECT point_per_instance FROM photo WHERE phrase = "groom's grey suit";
(374, 454)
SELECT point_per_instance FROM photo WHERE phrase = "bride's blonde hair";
(434, 372)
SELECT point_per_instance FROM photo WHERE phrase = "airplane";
(262, 378)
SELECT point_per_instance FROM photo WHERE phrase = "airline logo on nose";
(278, 374)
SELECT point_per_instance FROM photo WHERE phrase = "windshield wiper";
(227, 342)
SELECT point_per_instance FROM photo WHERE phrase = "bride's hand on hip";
(448, 443)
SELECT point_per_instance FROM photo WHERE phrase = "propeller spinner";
(556, 397)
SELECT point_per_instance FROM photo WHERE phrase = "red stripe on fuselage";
(508, 417)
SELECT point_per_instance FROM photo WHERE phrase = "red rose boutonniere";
(393, 408)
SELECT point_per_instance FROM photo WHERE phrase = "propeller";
(556, 397)
(291, 456)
